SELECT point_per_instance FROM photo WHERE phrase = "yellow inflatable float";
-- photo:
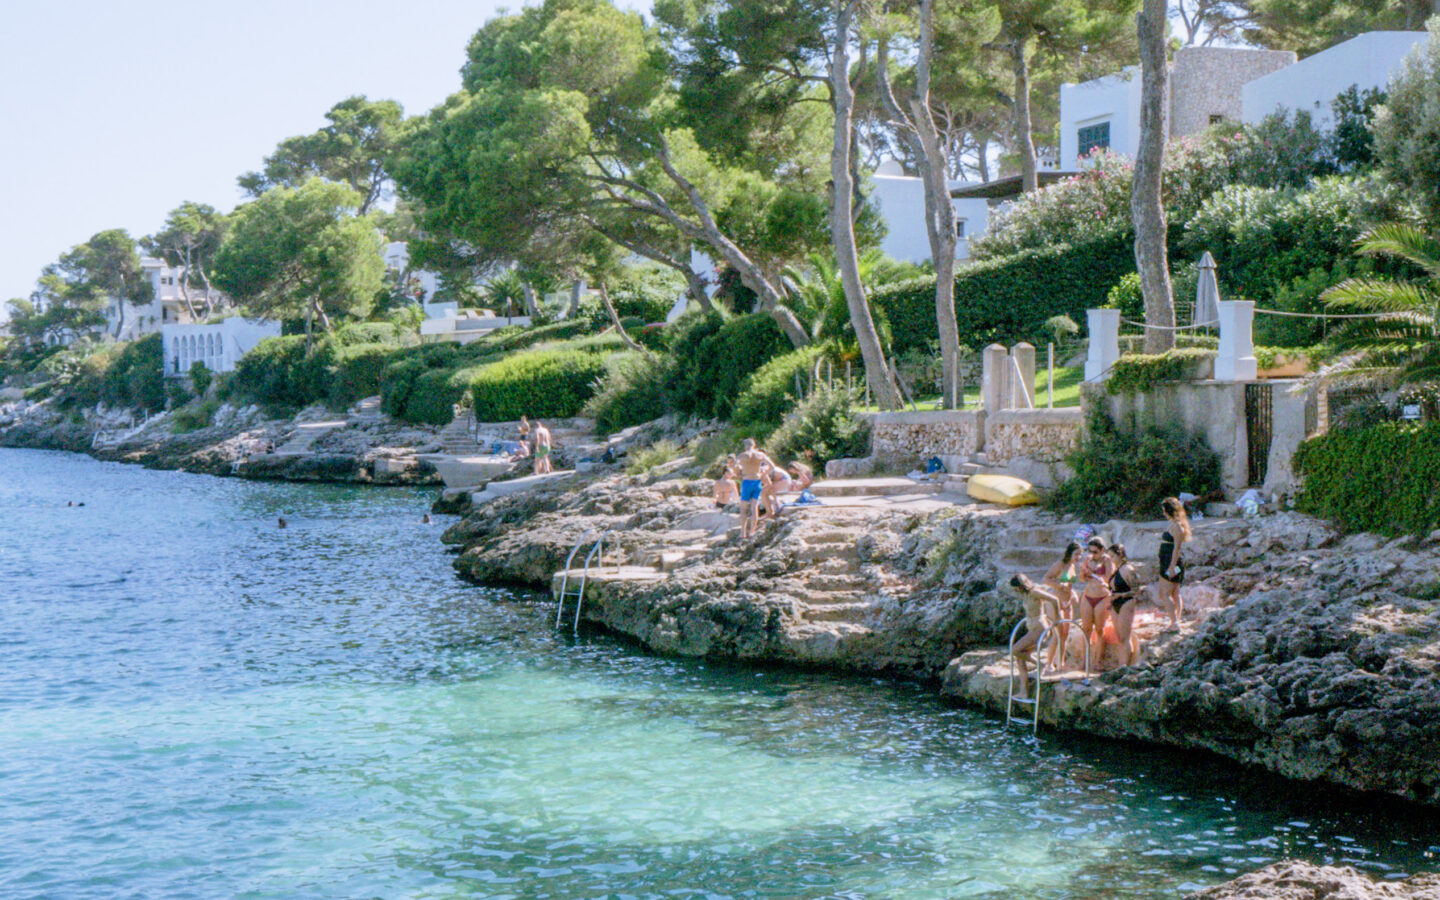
(1006, 490)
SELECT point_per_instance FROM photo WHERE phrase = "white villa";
(900, 199)
(166, 306)
(1216, 84)
(218, 347)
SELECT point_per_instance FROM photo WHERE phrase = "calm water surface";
(195, 703)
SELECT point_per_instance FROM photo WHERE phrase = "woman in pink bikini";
(1094, 572)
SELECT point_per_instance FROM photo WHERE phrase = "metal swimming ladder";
(596, 555)
(1041, 669)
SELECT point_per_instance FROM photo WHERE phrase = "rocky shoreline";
(234, 444)
(1311, 655)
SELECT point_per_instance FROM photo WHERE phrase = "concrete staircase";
(304, 437)
(1034, 550)
(366, 412)
(456, 439)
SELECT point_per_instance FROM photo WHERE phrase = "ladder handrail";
(597, 550)
(565, 579)
(1041, 668)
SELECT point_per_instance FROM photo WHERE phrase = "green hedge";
(552, 384)
(357, 372)
(1008, 298)
(714, 358)
(556, 331)
(1382, 478)
(278, 371)
(357, 333)
(770, 392)
(433, 398)
(135, 377)
(1139, 372)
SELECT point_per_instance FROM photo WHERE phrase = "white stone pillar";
(1104, 329)
(995, 378)
(1236, 360)
(1022, 389)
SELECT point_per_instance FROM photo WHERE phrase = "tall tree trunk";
(1146, 209)
(939, 208)
(532, 309)
(625, 338)
(842, 198)
(576, 291)
(1024, 140)
(982, 156)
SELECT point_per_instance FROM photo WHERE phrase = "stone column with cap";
(995, 378)
(1022, 389)
(1236, 359)
(1104, 352)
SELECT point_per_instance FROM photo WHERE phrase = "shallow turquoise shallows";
(197, 703)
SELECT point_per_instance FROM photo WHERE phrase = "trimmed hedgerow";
(1120, 473)
(1381, 478)
(1139, 372)
(553, 384)
(357, 371)
(770, 392)
(433, 396)
(1009, 298)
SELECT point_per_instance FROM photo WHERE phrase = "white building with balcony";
(166, 307)
(218, 347)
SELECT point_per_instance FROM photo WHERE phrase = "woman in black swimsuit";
(1172, 566)
(1125, 594)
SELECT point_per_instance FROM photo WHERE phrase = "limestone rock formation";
(1294, 880)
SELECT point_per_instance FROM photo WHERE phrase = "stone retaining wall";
(908, 437)
(1043, 435)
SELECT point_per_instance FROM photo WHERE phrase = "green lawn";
(1067, 391)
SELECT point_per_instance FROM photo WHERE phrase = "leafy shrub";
(553, 384)
(657, 454)
(712, 367)
(1139, 372)
(820, 428)
(358, 371)
(1264, 239)
(433, 397)
(200, 377)
(135, 377)
(635, 389)
(527, 337)
(1128, 297)
(1128, 474)
(1407, 127)
(770, 391)
(278, 372)
(194, 416)
(646, 291)
(1381, 478)
(366, 333)
(1009, 298)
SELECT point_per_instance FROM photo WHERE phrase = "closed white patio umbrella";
(1207, 294)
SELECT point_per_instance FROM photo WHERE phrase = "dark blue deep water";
(195, 703)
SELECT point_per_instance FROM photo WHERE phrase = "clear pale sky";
(114, 113)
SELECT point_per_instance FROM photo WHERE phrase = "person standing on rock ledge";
(542, 449)
(751, 462)
(1172, 567)
(1041, 609)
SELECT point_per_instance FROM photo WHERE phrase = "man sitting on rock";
(751, 462)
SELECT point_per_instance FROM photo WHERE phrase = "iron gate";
(1258, 408)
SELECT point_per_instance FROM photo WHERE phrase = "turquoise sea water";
(196, 703)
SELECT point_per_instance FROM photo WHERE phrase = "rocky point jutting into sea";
(1306, 652)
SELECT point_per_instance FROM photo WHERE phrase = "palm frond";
(1404, 241)
(1375, 295)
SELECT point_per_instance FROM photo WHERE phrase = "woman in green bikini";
(1060, 580)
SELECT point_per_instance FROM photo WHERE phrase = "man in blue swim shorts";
(752, 463)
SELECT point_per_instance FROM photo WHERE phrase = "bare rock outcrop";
(1295, 880)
